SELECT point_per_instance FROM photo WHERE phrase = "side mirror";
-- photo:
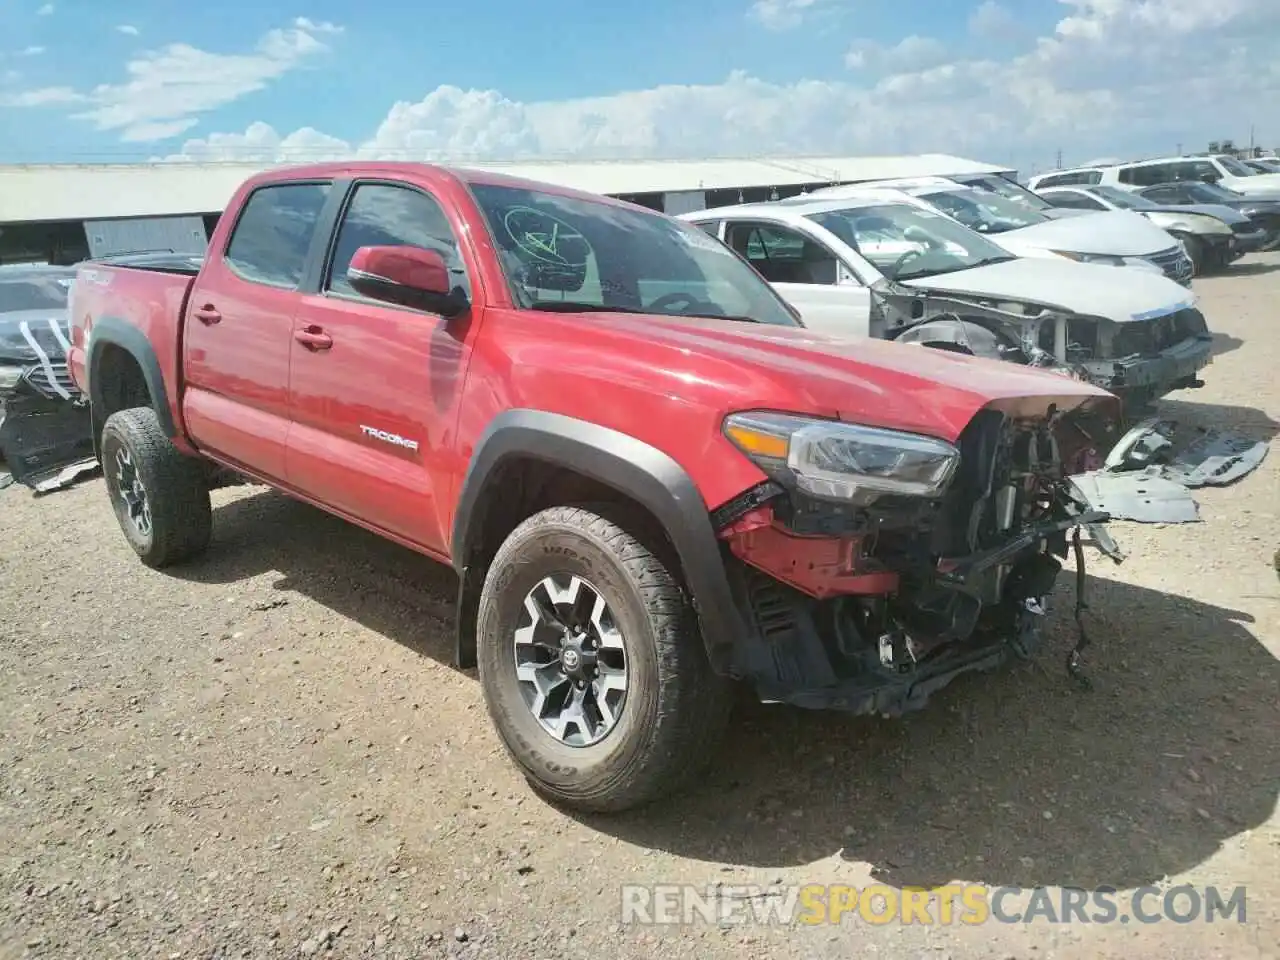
(1210, 177)
(406, 276)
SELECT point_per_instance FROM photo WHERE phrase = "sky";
(1003, 81)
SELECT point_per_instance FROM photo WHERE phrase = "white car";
(873, 266)
(1115, 238)
(1221, 169)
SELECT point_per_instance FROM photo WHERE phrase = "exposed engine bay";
(870, 606)
(1140, 360)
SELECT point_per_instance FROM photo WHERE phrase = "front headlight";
(1103, 258)
(9, 376)
(831, 460)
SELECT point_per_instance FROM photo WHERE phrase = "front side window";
(381, 215)
(273, 235)
(984, 211)
(1208, 193)
(782, 255)
(1167, 194)
(575, 254)
(905, 242)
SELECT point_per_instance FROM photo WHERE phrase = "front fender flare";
(635, 469)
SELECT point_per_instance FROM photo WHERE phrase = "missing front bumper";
(1173, 368)
(40, 438)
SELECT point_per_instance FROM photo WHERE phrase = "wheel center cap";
(571, 659)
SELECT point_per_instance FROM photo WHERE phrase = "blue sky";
(1005, 80)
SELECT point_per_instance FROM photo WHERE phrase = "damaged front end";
(1139, 360)
(45, 430)
(875, 566)
(44, 426)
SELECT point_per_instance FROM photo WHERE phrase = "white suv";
(1224, 170)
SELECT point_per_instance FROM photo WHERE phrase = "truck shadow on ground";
(1011, 778)
(1224, 343)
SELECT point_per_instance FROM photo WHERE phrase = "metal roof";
(51, 192)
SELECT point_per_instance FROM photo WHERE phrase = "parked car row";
(821, 446)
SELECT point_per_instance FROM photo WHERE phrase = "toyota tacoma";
(652, 480)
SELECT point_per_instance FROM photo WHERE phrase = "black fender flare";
(975, 338)
(638, 471)
(109, 331)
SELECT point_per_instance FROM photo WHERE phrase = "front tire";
(650, 715)
(160, 496)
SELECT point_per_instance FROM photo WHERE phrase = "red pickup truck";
(651, 479)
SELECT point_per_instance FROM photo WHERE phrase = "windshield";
(1123, 198)
(984, 211)
(565, 253)
(33, 294)
(1210, 193)
(904, 242)
(1265, 166)
(994, 183)
(1233, 166)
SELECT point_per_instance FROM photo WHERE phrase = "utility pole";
(1059, 167)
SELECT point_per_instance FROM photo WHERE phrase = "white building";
(66, 212)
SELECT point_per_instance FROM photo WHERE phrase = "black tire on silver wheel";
(159, 495)
(592, 665)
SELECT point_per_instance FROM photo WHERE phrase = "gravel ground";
(266, 754)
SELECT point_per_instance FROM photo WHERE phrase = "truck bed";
(145, 292)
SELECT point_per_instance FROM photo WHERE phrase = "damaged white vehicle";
(870, 266)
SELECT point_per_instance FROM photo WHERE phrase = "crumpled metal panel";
(1142, 496)
(1189, 455)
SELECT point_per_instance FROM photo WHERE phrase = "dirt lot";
(266, 754)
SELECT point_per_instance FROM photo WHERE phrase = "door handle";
(313, 338)
(208, 315)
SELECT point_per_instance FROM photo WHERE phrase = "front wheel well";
(517, 489)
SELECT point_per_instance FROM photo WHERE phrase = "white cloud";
(41, 97)
(312, 26)
(1113, 77)
(31, 52)
(168, 89)
(127, 29)
(45, 11)
(910, 53)
(783, 14)
(992, 20)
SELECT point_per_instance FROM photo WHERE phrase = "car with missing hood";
(886, 268)
(1114, 239)
(44, 421)
(1214, 235)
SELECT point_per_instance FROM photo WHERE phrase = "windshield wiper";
(577, 306)
(741, 318)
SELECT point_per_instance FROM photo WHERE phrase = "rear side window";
(1148, 175)
(1067, 179)
(1076, 201)
(272, 237)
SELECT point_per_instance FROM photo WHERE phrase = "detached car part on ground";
(44, 419)
(1213, 235)
(1027, 225)
(651, 480)
(874, 265)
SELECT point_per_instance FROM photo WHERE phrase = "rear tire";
(160, 496)
(674, 709)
